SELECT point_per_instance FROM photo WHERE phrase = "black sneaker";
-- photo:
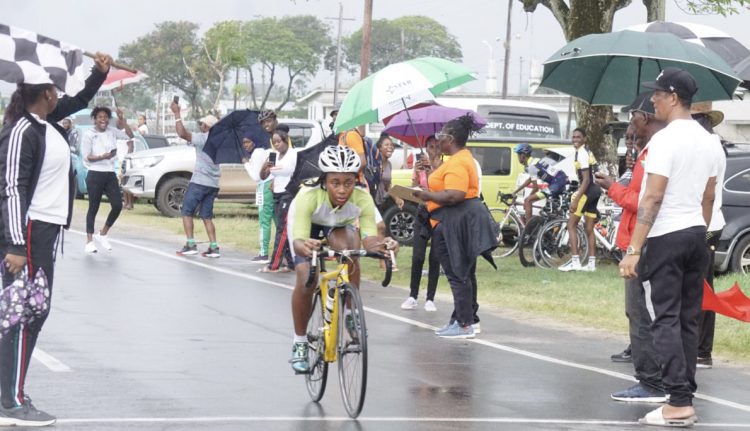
(624, 356)
(25, 415)
(212, 252)
(704, 362)
(188, 250)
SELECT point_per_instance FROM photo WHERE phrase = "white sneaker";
(570, 266)
(90, 247)
(409, 304)
(103, 241)
(588, 268)
(477, 328)
(429, 306)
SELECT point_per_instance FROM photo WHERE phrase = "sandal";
(285, 269)
(656, 417)
(268, 270)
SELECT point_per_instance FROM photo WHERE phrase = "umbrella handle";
(414, 129)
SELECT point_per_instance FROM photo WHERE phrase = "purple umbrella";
(416, 125)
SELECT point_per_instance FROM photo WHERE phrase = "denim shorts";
(201, 199)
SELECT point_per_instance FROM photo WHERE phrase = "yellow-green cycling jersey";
(312, 206)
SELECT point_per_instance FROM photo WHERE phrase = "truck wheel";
(170, 195)
(399, 224)
(741, 256)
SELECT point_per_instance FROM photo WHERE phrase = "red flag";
(731, 303)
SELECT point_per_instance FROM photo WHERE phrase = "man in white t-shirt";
(674, 209)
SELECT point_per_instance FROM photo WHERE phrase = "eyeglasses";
(440, 136)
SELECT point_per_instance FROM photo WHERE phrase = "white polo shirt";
(685, 153)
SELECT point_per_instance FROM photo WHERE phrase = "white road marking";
(545, 358)
(250, 419)
(50, 361)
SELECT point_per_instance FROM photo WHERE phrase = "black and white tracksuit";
(23, 148)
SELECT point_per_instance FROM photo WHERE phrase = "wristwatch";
(632, 252)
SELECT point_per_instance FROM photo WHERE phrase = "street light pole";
(340, 20)
(506, 66)
(491, 84)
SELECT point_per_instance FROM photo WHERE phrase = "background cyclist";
(538, 170)
(337, 210)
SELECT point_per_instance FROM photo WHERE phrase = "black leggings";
(281, 250)
(99, 183)
(17, 344)
(422, 234)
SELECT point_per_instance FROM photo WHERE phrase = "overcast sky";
(97, 25)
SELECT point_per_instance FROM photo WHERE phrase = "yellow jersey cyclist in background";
(336, 209)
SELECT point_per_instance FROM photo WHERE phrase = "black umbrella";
(307, 163)
(224, 144)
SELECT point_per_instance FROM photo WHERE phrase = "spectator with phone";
(99, 149)
(426, 163)
(203, 187)
(280, 167)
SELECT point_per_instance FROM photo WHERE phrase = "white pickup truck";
(161, 175)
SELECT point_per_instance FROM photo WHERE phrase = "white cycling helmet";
(337, 158)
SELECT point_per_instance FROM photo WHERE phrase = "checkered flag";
(30, 58)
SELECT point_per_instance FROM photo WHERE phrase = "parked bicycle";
(510, 224)
(336, 331)
(555, 207)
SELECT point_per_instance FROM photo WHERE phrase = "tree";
(581, 17)
(295, 44)
(400, 39)
(224, 47)
(171, 54)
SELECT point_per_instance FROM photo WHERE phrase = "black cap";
(641, 103)
(674, 80)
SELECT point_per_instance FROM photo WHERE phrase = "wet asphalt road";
(140, 339)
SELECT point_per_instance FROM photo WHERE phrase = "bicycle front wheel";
(509, 230)
(352, 350)
(316, 379)
(527, 240)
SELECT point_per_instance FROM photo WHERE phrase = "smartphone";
(176, 99)
(272, 159)
(114, 151)
(634, 153)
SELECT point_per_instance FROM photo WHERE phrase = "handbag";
(24, 300)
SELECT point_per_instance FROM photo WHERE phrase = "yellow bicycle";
(336, 336)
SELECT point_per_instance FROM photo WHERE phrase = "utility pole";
(340, 20)
(364, 63)
(506, 66)
(236, 84)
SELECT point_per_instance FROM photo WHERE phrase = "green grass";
(590, 300)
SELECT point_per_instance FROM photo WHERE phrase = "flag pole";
(117, 65)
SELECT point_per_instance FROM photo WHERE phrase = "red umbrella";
(119, 78)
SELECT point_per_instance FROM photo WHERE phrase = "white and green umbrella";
(397, 87)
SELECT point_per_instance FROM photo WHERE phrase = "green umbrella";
(398, 87)
(608, 68)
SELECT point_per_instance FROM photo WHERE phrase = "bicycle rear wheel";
(352, 350)
(527, 240)
(508, 233)
(316, 379)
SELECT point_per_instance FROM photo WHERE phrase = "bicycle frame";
(335, 279)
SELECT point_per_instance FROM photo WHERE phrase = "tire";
(528, 238)
(553, 243)
(399, 223)
(316, 379)
(509, 231)
(741, 256)
(352, 351)
(170, 195)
